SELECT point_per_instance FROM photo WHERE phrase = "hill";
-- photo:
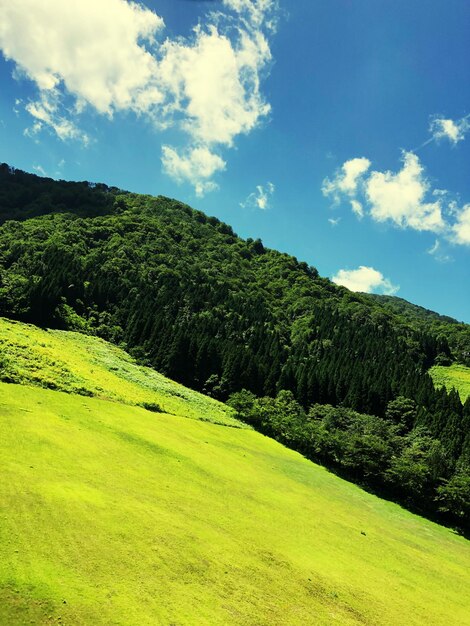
(112, 514)
(89, 366)
(183, 294)
(190, 298)
(24, 195)
(457, 333)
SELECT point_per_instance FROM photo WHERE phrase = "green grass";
(112, 515)
(76, 363)
(457, 376)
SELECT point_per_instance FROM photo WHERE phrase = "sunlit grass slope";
(455, 375)
(76, 363)
(112, 515)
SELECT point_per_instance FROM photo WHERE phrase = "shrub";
(151, 406)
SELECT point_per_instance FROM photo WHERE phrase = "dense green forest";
(182, 293)
(457, 334)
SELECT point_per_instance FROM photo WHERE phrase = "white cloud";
(46, 112)
(401, 197)
(110, 56)
(357, 209)
(347, 178)
(94, 48)
(334, 221)
(454, 131)
(461, 228)
(255, 10)
(40, 170)
(214, 83)
(365, 279)
(435, 247)
(196, 165)
(261, 197)
(436, 251)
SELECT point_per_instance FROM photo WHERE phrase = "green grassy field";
(111, 514)
(114, 515)
(455, 375)
(76, 363)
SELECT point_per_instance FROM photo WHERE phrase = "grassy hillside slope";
(457, 376)
(76, 363)
(111, 514)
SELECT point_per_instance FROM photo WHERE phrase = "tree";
(243, 402)
(401, 411)
(453, 496)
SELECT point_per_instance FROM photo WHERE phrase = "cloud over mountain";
(365, 279)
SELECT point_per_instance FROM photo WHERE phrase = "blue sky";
(335, 130)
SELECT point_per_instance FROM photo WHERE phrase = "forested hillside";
(457, 333)
(185, 295)
(24, 195)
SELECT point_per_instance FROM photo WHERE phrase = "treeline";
(419, 318)
(395, 456)
(24, 195)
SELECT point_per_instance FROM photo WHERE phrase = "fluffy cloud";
(454, 131)
(401, 197)
(261, 197)
(347, 179)
(215, 84)
(94, 49)
(111, 57)
(196, 165)
(365, 279)
(461, 228)
(405, 198)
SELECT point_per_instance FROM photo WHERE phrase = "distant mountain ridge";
(24, 195)
(456, 332)
(412, 311)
